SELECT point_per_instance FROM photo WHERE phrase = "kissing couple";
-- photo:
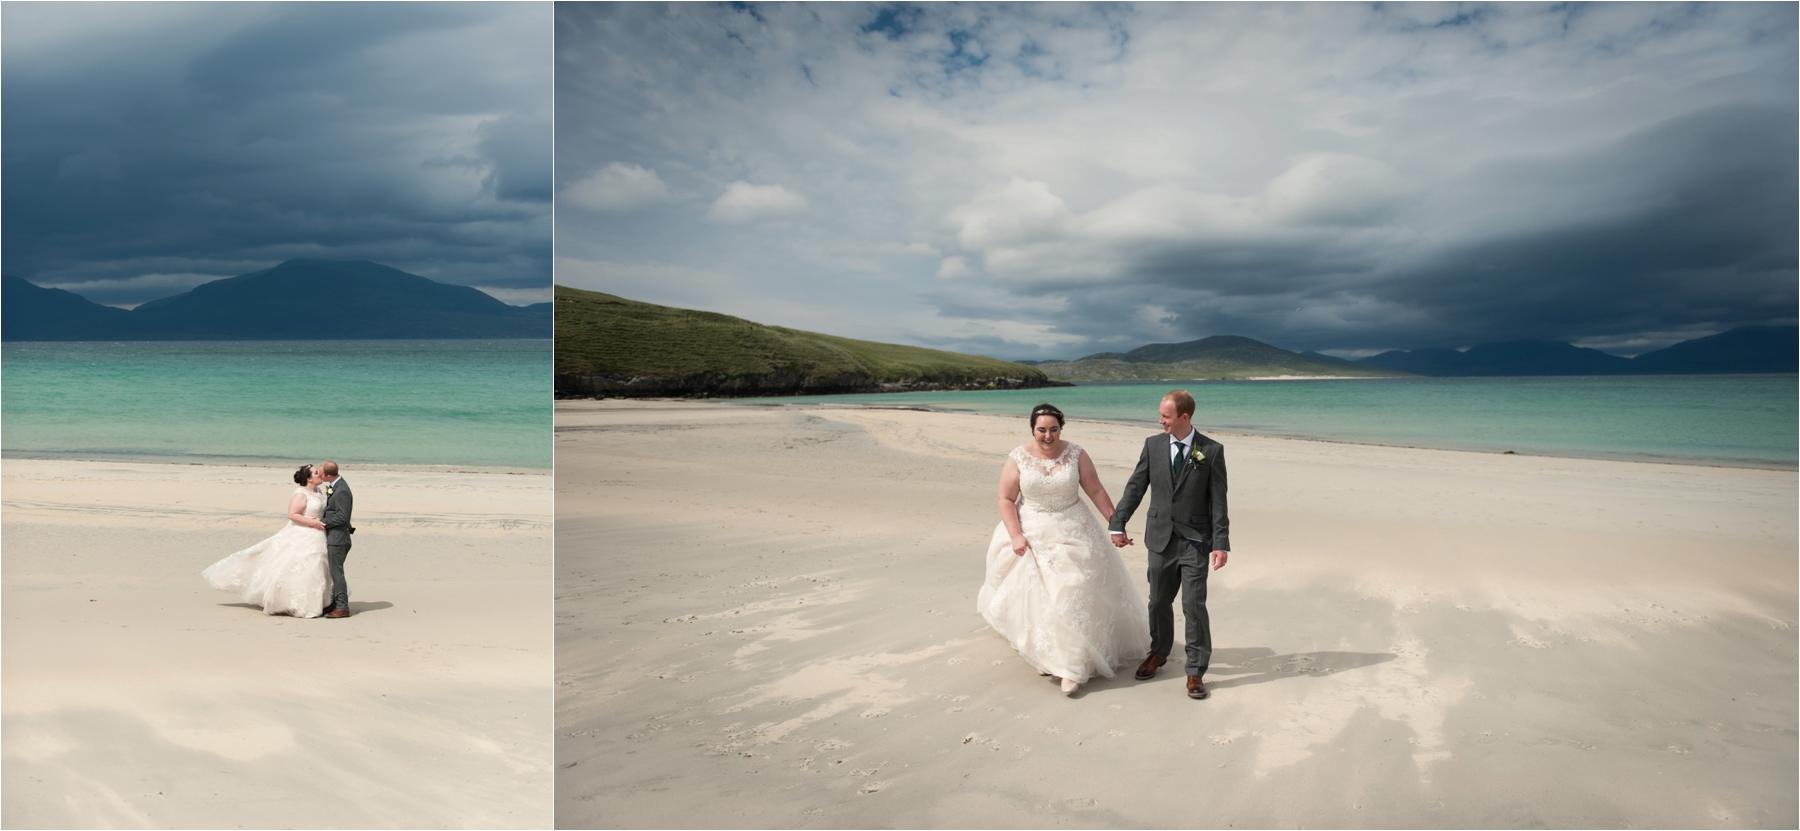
(1054, 588)
(298, 571)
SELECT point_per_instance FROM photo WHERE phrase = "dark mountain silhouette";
(1750, 349)
(1418, 361)
(1320, 356)
(32, 312)
(1216, 357)
(297, 300)
(1530, 357)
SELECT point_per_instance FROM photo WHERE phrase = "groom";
(338, 504)
(1185, 474)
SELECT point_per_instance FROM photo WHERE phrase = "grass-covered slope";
(607, 345)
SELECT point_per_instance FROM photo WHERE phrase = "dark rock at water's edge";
(722, 385)
(296, 300)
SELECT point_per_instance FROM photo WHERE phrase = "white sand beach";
(137, 696)
(765, 618)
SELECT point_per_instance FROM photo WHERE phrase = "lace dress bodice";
(1049, 485)
(315, 503)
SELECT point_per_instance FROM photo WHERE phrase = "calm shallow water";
(1720, 419)
(437, 402)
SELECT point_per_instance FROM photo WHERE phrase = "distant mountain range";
(1223, 357)
(1753, 349)
(610, 346)
(296, 300)
(1766, 349)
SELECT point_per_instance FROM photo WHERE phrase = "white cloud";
(1015, 213)
(744, 202)
(1337, 189)
(616, 187)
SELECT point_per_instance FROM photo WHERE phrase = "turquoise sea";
(424, 402)
(1710, 419)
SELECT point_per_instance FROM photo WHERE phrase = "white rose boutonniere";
(1196, 456)
(327, 491)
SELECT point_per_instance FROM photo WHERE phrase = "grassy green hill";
(608, 345)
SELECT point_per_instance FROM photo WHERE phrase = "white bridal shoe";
(1069, 686)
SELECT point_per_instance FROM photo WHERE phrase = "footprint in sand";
(875, 713)
(872, 787)
(831, 744)
(957, 660)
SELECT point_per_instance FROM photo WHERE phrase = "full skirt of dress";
(1069, 606)
(286, 574)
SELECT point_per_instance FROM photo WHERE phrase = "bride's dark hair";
(1046, 410)
(303, 474)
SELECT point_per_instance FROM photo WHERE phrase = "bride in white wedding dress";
(1055, 588)
(288, 573)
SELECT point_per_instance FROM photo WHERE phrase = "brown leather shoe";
(1150, 666)
(1196, 688)
(338, 613)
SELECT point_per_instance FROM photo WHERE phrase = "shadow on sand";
(357, 607)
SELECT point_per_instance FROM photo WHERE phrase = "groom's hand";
(1219, 558)
(1119, 540)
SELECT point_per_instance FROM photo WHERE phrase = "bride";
(1055, 588)
(288, 573)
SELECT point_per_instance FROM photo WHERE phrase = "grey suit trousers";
(340, 590)
(1181, 567)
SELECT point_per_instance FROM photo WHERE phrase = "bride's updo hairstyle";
(303, 474)
(1046, 410)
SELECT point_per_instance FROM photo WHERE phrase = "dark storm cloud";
(152, 147)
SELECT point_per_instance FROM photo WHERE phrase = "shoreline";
(260, 461)
(1678, 461)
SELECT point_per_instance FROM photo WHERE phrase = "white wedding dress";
(1068, 605)
(286, 574)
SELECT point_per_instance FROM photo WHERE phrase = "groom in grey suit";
(338, 506)
(1185, 474)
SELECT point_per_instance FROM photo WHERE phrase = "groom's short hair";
(329, 467)
(1184, 405)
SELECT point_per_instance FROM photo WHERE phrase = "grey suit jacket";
(1191, 505)
(337, 515)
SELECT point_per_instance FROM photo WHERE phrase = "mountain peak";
(299, 299)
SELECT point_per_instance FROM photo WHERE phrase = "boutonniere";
(1195, 456)
(327, 490)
